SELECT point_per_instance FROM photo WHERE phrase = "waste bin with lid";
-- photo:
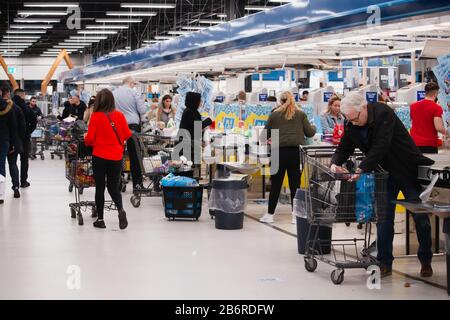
(228, 200)
(303, 227)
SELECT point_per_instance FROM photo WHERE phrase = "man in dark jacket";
(377, 131)
(74, 107)
(8, 133)
(30, 125)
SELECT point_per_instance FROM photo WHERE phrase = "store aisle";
(157, 259)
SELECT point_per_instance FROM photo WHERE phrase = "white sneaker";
(294, 219)
(267, 218)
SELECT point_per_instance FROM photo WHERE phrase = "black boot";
(16, 193)
(123, 222)
(100, 224)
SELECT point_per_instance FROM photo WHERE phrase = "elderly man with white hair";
(130, 103)
(376, 130)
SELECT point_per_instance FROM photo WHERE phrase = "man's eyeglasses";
(354, 119)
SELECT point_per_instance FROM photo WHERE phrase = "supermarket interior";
(225, 150)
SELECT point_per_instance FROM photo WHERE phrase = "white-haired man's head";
(354, 108)
(129, 81)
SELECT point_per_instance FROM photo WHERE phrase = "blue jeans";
(14, 170)
(4, 148)
(385, 229)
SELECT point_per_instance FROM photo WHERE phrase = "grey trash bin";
(227, 201)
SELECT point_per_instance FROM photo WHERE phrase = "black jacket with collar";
(30, 117)
(8, 124)
(388, 145)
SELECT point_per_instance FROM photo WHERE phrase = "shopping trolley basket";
(332, 198)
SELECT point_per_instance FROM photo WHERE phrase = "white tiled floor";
(158, 259)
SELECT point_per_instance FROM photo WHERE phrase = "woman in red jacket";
(107, 133)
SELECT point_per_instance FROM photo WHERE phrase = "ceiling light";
(118, 20)
(80, 41)
(15, 45)
(150, 41)
(210, 21)
(193, 28)
(100, 26)
(27, 31)
(76, 43)
(149, 5)
(222, 15)
(24, 26)
(36, 20)
(21, 37)
(179, 32)
(257, 8)
(131, 14)
(50, 4)
(41, 13)
(97, 32)
(163, 37)
(89, 37)
(51, 50)
(68, 46)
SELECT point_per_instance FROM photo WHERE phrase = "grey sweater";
(291, 132)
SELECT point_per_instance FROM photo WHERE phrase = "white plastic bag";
(2, 187)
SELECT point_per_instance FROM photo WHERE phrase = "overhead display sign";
(220, 99)
(327, 96)
(371, 97)
(420, 95)
(263, 97)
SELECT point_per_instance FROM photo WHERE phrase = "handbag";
(115, 129)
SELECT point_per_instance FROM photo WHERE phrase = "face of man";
(33, 103)
(75, 100)
(357, 118)
(22, 95)
(7, 95)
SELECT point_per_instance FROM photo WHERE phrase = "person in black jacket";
(32, 104)
(190, 117)
(74, 107)
(376, 130)
(30, 125)
(8, 133)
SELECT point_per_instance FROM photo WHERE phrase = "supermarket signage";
(263, 97)
(228, 123)
(296, 97)
(371, 97)
(220, 99)
(11, 70)
(420, 95)
(260, 123)
(327, 96)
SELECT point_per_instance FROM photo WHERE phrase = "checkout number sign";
(228, 123)
(420, 95)
(327, 96)
(263, 97)
(371, 97)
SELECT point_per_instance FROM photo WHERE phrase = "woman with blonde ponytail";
(293, 126)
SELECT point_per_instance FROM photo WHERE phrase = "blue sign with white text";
(220, 99)
(327, 96)
(263, 97)
(371, 97)
(420, 95)
(228, 123)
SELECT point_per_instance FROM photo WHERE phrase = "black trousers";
(14, 170)
(428, 149)
(133, 153)
(24, 160)
(111, 172)
(290, 162)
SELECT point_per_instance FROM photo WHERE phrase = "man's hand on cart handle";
(338, 169)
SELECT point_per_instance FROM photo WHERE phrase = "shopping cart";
(60, 136)
(38, 142)
(332, 198)
(80, 173)
(155, 163)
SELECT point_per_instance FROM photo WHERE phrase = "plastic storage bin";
(303, 226)
(227, 201)
(183, 202)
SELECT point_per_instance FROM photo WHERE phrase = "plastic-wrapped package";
(172, 180)
(365, 188)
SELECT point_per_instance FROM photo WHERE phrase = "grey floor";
(41, 245)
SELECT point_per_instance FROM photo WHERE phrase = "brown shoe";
(385, 271)
(426, 271)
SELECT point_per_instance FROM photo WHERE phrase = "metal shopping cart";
(38, 142)
(60, 136)
(80, 173)
(331, 198)
(154, 158)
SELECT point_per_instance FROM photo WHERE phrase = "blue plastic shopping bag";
(365, 190)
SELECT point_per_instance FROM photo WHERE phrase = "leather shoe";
(426, 271)
(385, 271)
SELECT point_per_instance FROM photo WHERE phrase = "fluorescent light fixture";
(127, 48)
(283, 1)
(7, 45)
(151, 41)
(27, 26)
(68, 46)
(76, 43)
(27, 31)
(118, 20)
(41, 13)
(149, 5)
(164, 38)
(97, 32)
(193, 28)
(210, 21)
(176, 32)
(58, 50)
(22, 41)
(257, 8)
(89, 37)
(51, 4)
(222, 15)
(81, 41)
(131, 13)
(105, 26)
(22, 37)
(36, 20)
